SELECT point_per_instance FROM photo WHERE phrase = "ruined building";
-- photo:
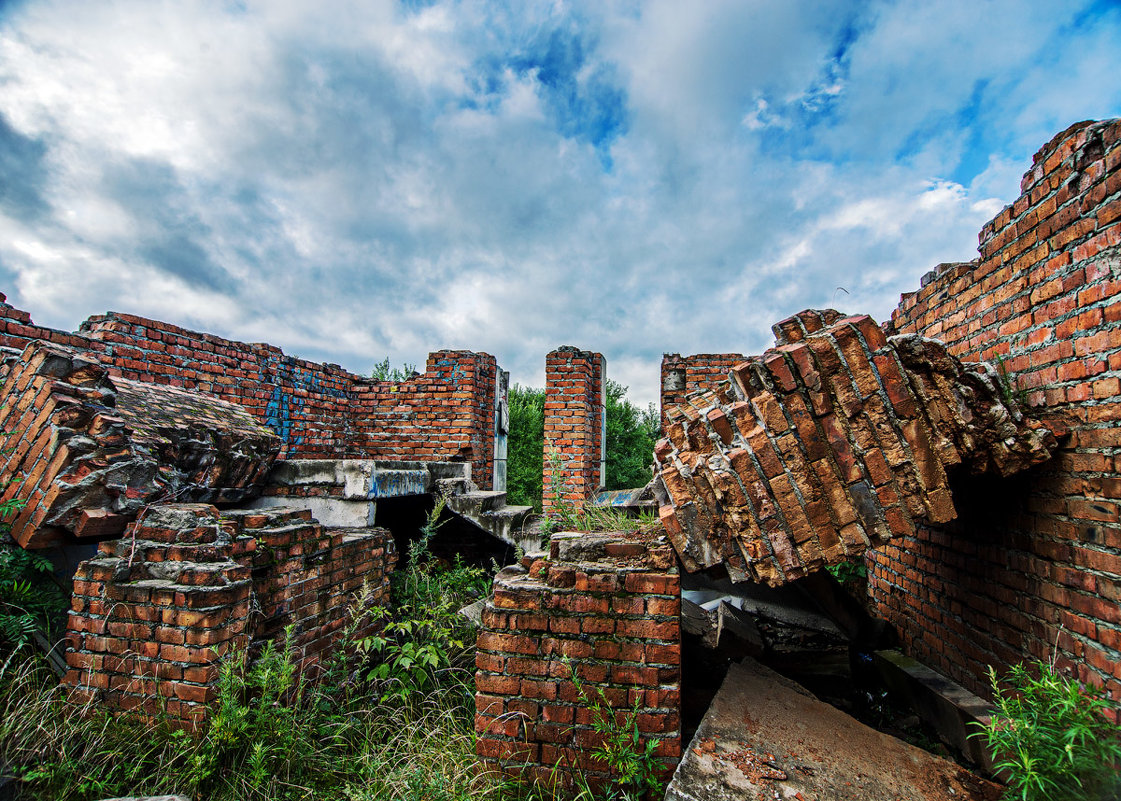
(210, 493)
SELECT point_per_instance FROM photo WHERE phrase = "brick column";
(574, 421)
(603, 606)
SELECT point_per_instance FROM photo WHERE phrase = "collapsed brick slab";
(836, 439)
(154, 613)
(766, 736)
(86, 451)
(603, 607)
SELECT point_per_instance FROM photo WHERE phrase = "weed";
(1051, 738)
(632, 759)
(852, 570)
(1014, 395)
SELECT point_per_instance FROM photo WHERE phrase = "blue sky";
(351, 180)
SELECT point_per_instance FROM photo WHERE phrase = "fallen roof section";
(86, 451)
(833, 441)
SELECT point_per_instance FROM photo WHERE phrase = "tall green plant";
(633, 760)
(423, 638)
(1051, 737)
(30, 599)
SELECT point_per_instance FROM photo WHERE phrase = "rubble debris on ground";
(766, 737)
(837, 439)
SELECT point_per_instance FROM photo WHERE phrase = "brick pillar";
(154, 614)
(605, 607)
(574, 421)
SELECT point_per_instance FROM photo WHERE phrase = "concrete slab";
(766, 737)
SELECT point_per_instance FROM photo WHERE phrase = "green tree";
(631, 434)
(384, 372)
(525, 446)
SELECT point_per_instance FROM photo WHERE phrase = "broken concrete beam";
(767, 737)
(85, 451)
(835, 440)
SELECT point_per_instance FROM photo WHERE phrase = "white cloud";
(354, 180)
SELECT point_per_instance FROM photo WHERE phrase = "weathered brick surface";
(684, 375)
(318, 410)
(606, 607)
(1034, 568)
(155, 612)
(835, 440)
(574, 423)
(85, 452)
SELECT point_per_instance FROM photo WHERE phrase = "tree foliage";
(525, 446)
(631, 434)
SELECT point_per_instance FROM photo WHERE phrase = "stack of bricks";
(320, 411)
(602, 608)
(835, 440)
(684, 375)
(155, 612)
(445, 414)
(575, 417)
(86, 452)
(1032, 570)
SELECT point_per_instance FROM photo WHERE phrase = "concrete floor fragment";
(766, 737)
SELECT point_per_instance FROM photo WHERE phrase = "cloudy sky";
(355, 180)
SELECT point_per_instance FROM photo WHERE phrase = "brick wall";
(1036, 562)
(574, 420)
(319, 410)
(609, 605)
(683, 375)
(155, 612)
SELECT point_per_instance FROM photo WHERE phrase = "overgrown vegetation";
(525, 446)
(388, 717)
(359, 731)
(1051, 737)
(31, 602)
(568, 516)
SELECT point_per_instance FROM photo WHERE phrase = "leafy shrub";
(423, 636)
(1051, 738)
(30, 599)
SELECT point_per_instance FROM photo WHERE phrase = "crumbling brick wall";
(318, 410)
(606, 607)
(154, 613)
(1033, 564)
(684, 375)
(574, 424)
